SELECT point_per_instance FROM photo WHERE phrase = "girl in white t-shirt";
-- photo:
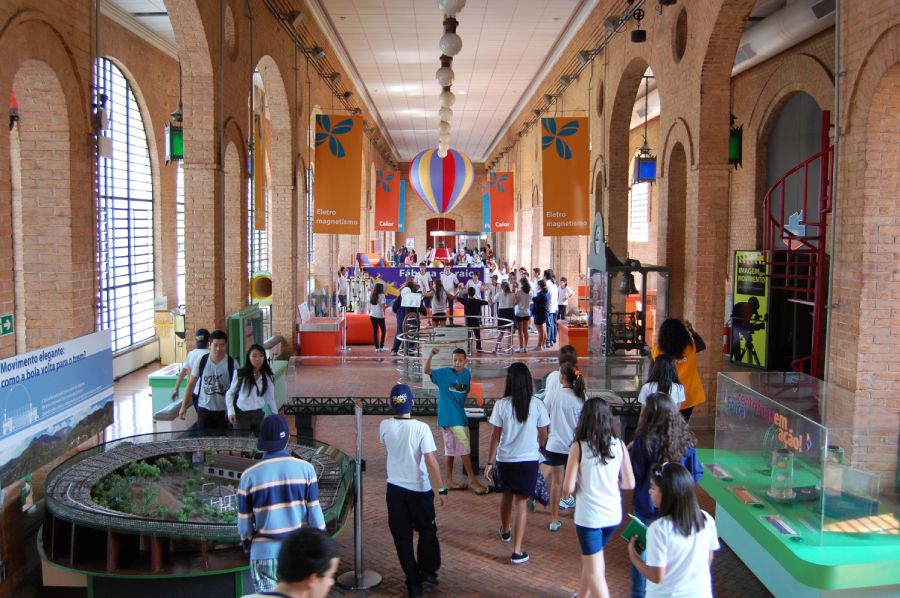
(663, 378)
(439, 299)
(680, 544)
(598, 467)
(376, 315)
(523, 313)
(564, 405)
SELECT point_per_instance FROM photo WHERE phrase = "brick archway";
(236, 279)
(620, 159)
(282, 198)
(673, 211)
(35, 55)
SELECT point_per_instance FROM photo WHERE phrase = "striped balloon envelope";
(441, 182)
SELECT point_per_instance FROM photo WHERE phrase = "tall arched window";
(125, 217)
(179, 235)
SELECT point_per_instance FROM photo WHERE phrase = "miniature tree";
(229, 517)
(148, 495)
(164, 464)
(161, 511)
(182, 515)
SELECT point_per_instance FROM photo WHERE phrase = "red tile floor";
(475, 561)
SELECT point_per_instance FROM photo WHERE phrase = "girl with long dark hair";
(523, 313)
(541, 314)
(506, 310)
(564, 406)
(680, 544)
(663, 378)
(680, 341)
(598, 468)
(662, 436)
(252, 387)
(439, 304)
(376, 315)
(519, 423)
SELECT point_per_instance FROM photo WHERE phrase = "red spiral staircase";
(797, 260)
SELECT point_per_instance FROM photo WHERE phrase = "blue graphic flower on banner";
(382, 181)
(562, 148)
(496, 181)
(342, 128)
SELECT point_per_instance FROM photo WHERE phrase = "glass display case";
(804, 459)
(627, 304)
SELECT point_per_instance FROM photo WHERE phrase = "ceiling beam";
(132, 24)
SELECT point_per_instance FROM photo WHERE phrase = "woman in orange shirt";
(680, 341)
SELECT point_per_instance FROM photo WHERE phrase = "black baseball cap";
(202, 338)
(273, 433)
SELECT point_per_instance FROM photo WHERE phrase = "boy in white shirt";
(564, 294)
(411, 464)
(476, 284)
(343, 288)
(451, 286)
(423, 281)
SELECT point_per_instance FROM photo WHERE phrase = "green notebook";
(638, 528)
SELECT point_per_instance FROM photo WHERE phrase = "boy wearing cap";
(411, 464)
(276, 496)
(192, 358)
(453, 389)
(307, 563)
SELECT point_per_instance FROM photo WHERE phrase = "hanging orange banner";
(566, 160)
(502, 200)
(388, 201)
(336, 191)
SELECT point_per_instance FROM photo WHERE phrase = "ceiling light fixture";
(295, 17)
(537, 113)
(613, 22)
(451, 7)
(317, 52)
(565, 80)
(348, 95)
(585, 56)
(548, 98)
(334, 77)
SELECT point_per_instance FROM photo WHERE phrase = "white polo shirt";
(423, 280)
(450, 283)
(553, 291)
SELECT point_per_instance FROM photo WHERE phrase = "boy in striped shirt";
(276, 496)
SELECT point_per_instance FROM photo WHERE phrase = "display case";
(627, 303)
(783, 438)
(805, 483)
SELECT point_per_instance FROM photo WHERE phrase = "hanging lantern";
(441, 182)
(736, 145)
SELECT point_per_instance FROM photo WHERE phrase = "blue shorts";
(594, 539)
(556, 459)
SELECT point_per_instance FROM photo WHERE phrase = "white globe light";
(442, 153)
(447, 99)
(444, 137)
(443, 146)
(446, 114)
(451, 7)
(445, 76)
(443, 127)
(451, 44)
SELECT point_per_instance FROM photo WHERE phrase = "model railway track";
(68, 488)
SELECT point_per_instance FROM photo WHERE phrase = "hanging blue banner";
(485, 207)
(402, 210)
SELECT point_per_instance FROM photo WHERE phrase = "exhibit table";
(321, 337)
(577, 336)
(162, 383)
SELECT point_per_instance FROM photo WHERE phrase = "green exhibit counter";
(162, 383)
(856, 557)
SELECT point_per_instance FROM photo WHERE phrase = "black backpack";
(205, 359)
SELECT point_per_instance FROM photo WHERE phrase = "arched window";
(639, 213)
(125, 217)
(179, 235)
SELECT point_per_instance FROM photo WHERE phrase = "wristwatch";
(442, 490)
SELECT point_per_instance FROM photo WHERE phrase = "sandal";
(458, 487)
(487, 490)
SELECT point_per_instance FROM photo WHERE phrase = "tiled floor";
(475, 562)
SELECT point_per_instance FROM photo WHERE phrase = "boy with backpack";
(213, 372)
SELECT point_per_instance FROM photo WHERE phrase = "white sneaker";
(567, 503)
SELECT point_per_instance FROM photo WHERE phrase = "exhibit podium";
(801, 497)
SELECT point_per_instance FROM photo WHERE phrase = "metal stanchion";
(359, 578)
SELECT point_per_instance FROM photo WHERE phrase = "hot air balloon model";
(441, 182)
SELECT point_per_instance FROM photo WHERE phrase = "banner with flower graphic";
(566, 163)
(499, 208)
(338, 168)
(389, 201)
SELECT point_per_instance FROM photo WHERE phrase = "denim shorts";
(557, 459)
(594, 539)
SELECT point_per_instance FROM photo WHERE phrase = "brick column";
(203, 238)
(283, 227)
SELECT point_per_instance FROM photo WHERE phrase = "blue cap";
(401, 399)
(273, 433)
(202, 338)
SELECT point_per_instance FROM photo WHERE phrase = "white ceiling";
(159, 25)
(394, 46)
